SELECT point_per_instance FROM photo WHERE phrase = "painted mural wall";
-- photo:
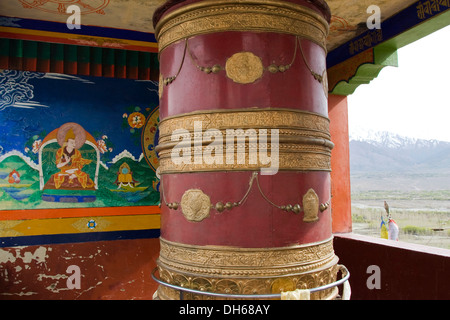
(68, 142)
(77, 156)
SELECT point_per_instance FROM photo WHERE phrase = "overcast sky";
(413, 99)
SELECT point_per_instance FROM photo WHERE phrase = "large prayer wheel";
(244, 147)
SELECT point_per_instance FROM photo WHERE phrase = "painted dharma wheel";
(244, 147)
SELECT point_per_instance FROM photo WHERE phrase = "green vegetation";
(422, 216)
(416, 230)
(402, 195)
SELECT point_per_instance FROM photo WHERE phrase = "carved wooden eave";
(361, 59)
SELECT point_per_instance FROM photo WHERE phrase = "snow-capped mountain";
(392, 140)
(389, 152)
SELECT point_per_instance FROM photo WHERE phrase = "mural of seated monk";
(70, 163)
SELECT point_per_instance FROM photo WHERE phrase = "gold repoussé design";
(304, 139)
(244, 67)
(196, 205)
(247, 271)
(252, 15)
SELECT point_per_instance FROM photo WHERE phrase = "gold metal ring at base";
(248, 262)
(243, 281)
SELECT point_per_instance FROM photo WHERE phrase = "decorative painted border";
(48, 31)
(361, 59)
(361, 69)
(42, 226)
(41, 56)
(78, 237)
(345, 71)
(76, 212)
(416, 15)
(35, 227)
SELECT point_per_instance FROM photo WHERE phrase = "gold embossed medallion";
(195, 205)
(311, 206)
(244, 67)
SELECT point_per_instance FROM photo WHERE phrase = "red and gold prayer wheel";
(244, 147)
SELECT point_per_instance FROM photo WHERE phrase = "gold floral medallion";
(195, 205)
(244, 67)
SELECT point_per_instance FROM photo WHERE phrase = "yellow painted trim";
(15, 228)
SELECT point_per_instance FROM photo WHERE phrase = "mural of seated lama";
(69, 164)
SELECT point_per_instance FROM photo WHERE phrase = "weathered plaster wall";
(118, 269)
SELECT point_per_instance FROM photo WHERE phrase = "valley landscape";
(412, 176)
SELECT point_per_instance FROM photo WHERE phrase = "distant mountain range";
(390, 152)
(388, 161)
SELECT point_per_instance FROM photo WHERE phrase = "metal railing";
(342, 268)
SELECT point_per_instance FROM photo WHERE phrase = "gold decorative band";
(247, 271)
(245, 262)
(248, 286)
(284, 119)
(303, 159)
(302, 140)
(252, 15)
